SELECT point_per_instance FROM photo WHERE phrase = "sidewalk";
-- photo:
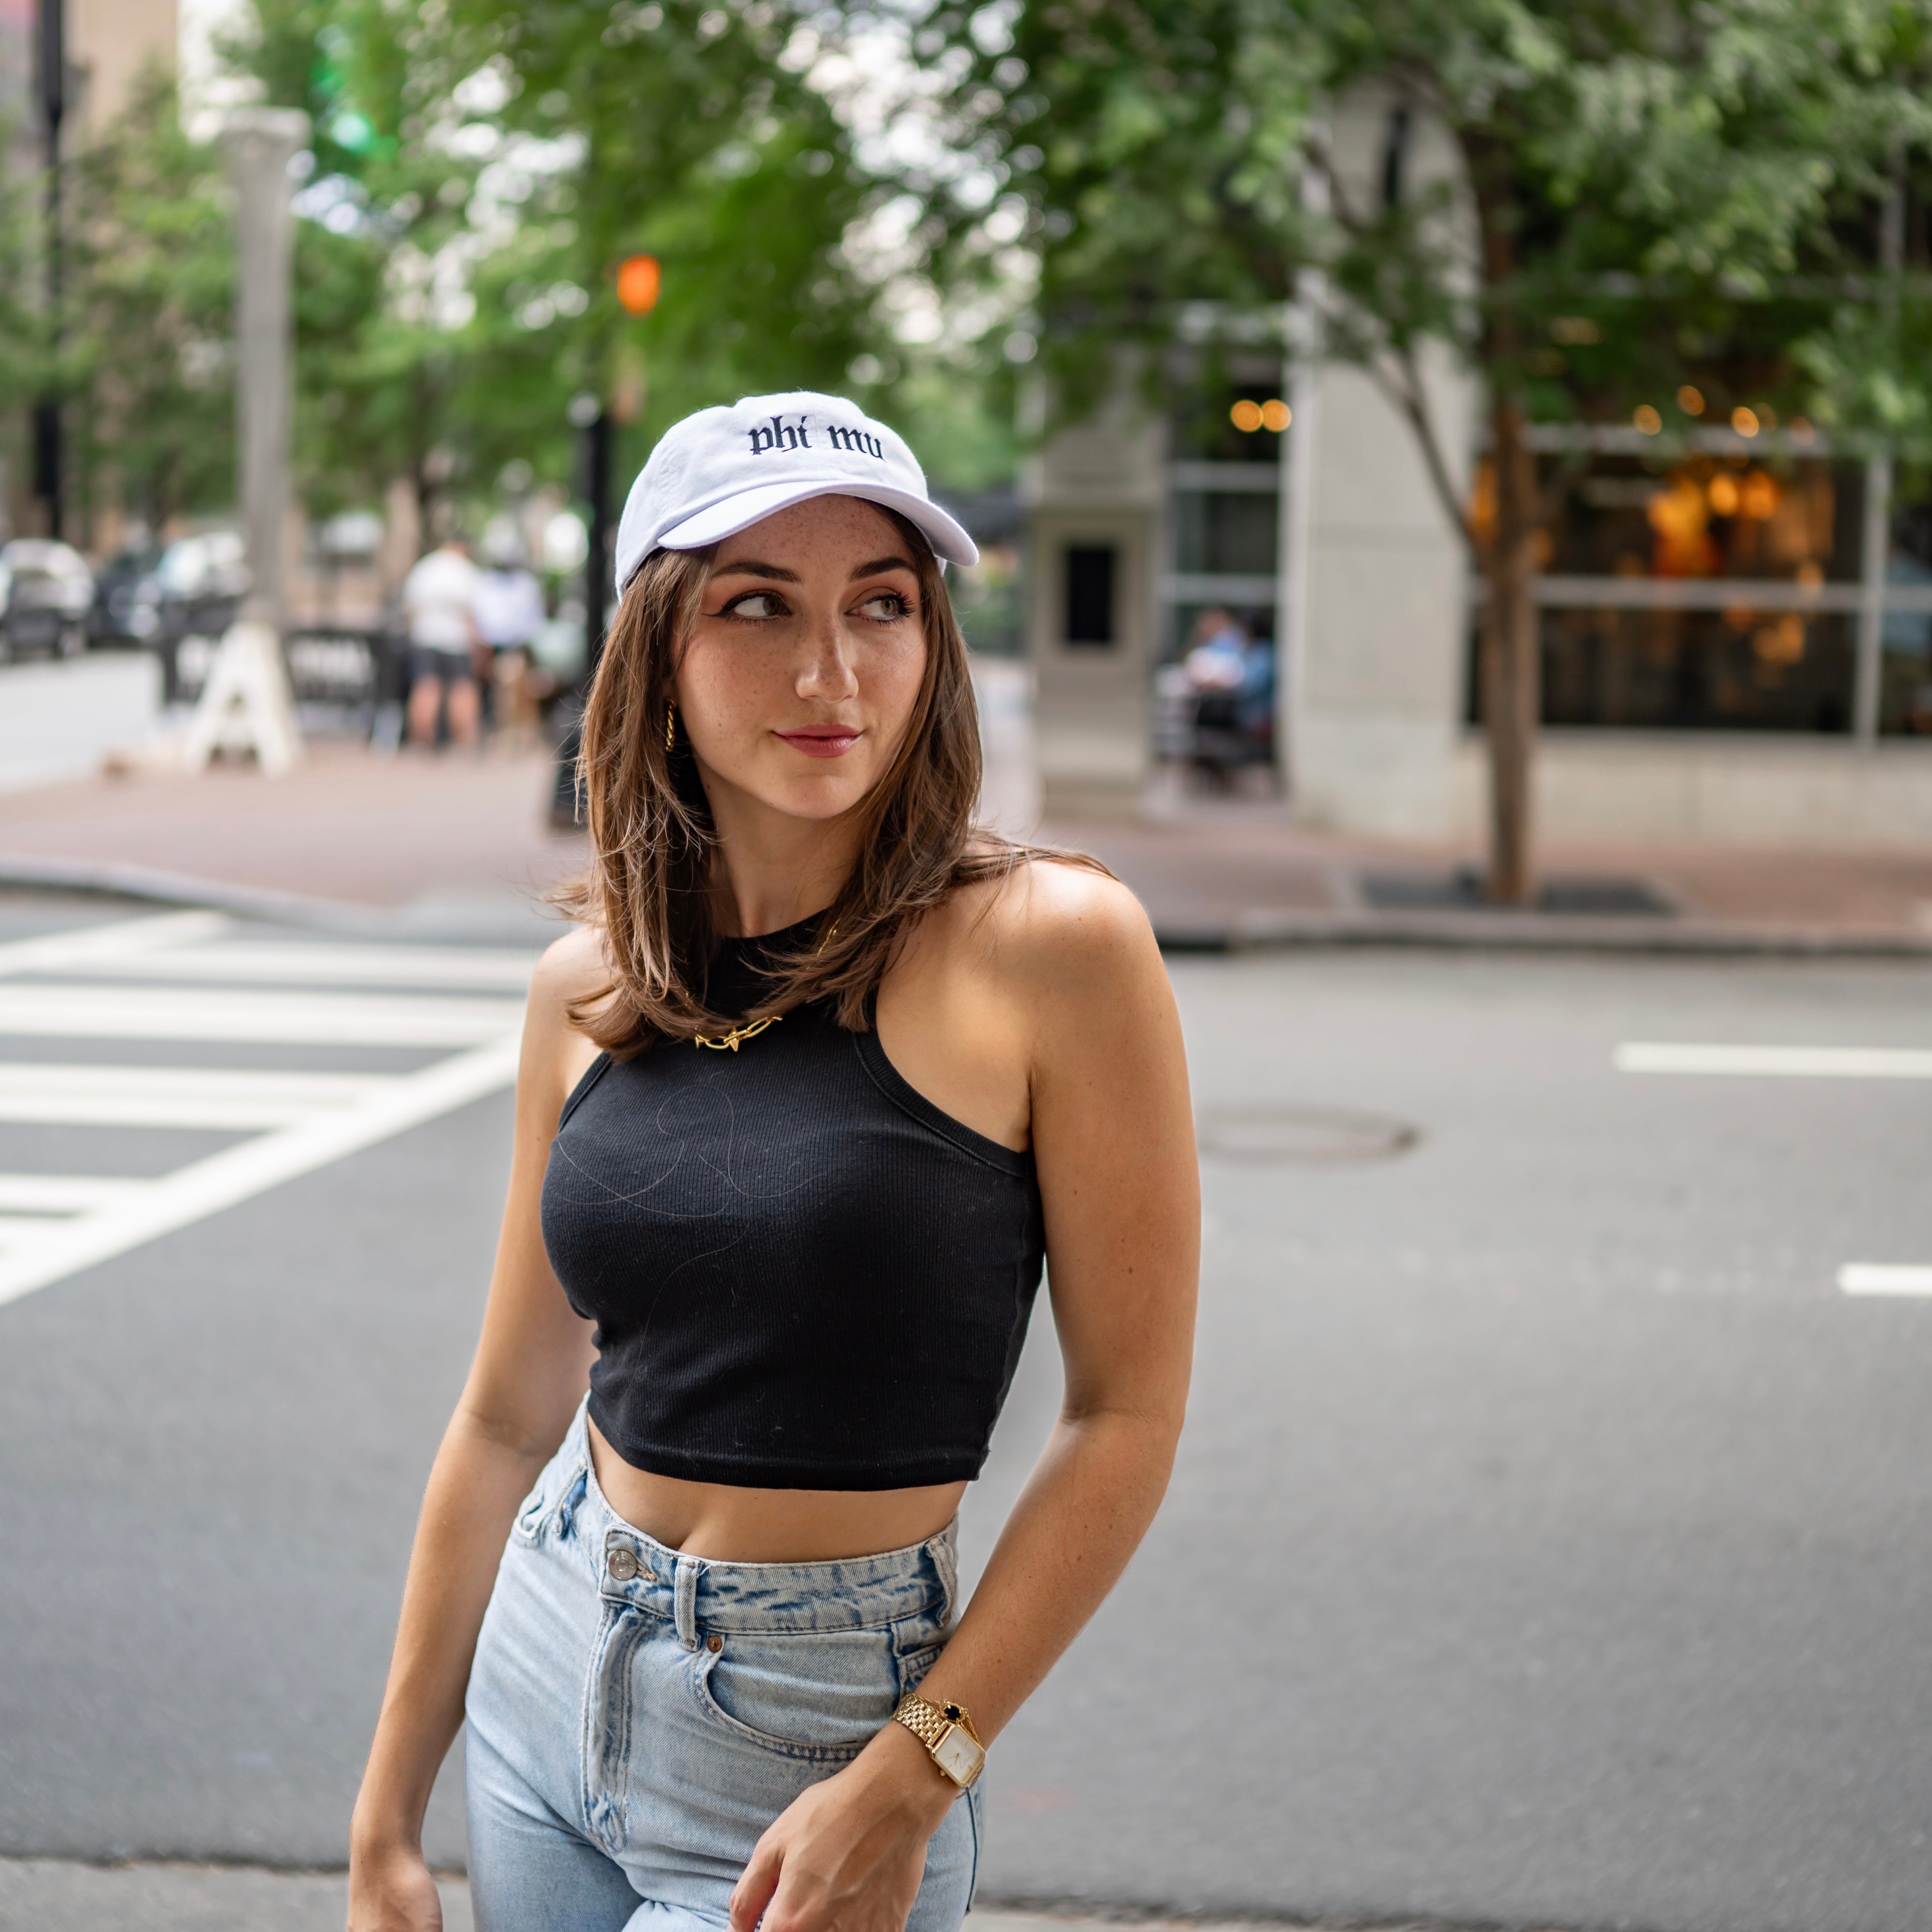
(457, 845)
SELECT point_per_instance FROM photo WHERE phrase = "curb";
(1255, 931)
(150, 885)
(1535, 932)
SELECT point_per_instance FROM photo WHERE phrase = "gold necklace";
(737, 1036)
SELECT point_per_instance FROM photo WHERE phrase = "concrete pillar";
(245, 705)
(260, 141)
(1094, 495)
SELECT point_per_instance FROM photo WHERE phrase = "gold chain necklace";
(737, 1036)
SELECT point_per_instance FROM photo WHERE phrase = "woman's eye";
(755, 603)
(886, 606)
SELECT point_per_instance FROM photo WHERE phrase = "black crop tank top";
(804, 1275)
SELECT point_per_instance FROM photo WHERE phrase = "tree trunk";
(1511, 660)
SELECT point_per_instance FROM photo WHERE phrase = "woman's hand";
(850, 1852)
(390, 1890)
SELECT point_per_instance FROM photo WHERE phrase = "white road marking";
(309, 1019)
(480, 969)
(1815, 1062)
(174, 1096)
(1884, 1278)
(62, 1193)
(58, 952)
(52, 1226)
(223, 1180)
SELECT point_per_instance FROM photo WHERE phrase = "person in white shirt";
(439, 603)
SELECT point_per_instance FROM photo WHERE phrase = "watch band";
(934, 1726)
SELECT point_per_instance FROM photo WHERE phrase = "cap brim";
(716, 521)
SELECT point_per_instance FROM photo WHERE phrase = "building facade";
(1736, 623)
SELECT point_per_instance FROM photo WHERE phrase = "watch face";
(958, 1756)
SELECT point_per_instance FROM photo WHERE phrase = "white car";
(46, 590)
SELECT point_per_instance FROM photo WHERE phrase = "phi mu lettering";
(783, 435)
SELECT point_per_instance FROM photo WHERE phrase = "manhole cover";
(1310, 1135)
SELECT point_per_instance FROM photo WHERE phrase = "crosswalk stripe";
(357, 1019)
(55, 952)
(224, 1180)
(481, 969)
(134, 1100)
(63, 1193)
(1842, 1063)
(134, 979)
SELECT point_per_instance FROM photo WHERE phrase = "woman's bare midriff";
(727, 1525)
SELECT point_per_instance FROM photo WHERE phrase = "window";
(1090, 595)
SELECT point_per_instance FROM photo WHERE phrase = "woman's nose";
(826, 672)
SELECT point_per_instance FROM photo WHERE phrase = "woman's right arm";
(530, 1369)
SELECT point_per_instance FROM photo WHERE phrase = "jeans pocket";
(817, 1694)
(529, 1524)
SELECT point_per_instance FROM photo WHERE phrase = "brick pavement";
(412, 830)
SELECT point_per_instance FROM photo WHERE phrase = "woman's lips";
(823, 741)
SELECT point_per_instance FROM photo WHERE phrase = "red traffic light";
(638, 283)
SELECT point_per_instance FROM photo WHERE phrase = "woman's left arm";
(1113, 1139)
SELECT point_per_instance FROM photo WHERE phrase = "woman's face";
(802, 672)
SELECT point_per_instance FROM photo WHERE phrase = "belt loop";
(689, 1569)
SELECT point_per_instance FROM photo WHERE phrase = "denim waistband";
(695, 1593)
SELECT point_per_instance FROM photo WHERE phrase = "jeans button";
(623, 1564)
(714, 1643)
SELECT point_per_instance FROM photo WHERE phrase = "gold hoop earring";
(671, 726)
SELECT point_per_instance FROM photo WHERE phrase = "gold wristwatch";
(947, 1733)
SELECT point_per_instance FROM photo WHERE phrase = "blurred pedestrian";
(439, 608)
(509, 612)
(714, 1672)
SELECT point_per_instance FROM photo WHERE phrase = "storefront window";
(1225, 532)
(1792, 520)
(1738, 669)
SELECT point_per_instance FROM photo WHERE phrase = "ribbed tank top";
(803, 1274)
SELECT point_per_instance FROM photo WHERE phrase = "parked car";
(198, 587)
(127, 599)
(46, 591)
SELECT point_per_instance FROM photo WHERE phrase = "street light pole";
(47, 478)
(591, 420)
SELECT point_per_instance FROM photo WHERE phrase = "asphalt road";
(1549, 1545)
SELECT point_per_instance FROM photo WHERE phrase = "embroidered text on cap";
(782, 435)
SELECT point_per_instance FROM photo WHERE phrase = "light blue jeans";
(636, 1718)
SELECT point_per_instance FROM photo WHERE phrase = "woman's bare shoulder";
(1051, 921)
(572, 969)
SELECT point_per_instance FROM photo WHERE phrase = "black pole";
(47, 478)
(593, 420)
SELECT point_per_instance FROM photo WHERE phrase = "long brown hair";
(653, 844)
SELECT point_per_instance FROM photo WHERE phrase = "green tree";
(147, 362)
(1639, 182)
(481, 171)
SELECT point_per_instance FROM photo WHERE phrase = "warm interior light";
(1277, 416)
(1767, 415)
(1782, 642)
(1246, 416)
(1759, 498)
(638, 283)
(1647, 419)
(1743, 421)
(1723, 494)
(1690, 400)
(1810, 573)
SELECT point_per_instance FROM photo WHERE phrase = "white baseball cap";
(719, 471)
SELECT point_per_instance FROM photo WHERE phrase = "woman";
(820, 1077)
